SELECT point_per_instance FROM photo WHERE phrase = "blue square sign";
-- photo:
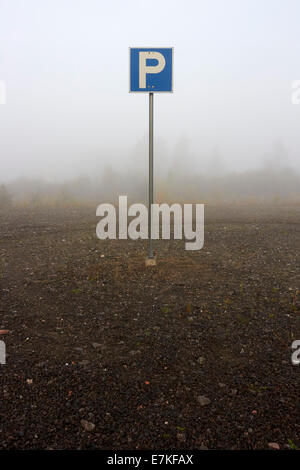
(151, 69)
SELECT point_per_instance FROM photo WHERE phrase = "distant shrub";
(5, 197)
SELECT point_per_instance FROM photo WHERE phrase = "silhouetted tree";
(5, 197)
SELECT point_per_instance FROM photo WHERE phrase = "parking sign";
(151, 69)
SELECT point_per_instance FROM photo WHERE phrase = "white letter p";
(144, 69)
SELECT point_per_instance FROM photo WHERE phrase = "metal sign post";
(151, 255)
(151, 70)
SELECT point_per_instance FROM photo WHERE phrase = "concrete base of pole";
(150, 262)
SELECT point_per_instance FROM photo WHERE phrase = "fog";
(69, 116)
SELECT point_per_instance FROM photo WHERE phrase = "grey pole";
(151, 255)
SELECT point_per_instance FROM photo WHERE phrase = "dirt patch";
(95, 337)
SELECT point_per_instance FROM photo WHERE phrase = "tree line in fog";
(272, 185)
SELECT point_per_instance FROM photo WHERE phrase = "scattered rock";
(87, 425)
(181, 437)
(96, 345)
(4, 332)
(273, 445)
(203, 400)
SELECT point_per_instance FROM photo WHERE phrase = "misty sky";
(66, 68)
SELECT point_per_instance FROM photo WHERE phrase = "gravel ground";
(194, 353)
